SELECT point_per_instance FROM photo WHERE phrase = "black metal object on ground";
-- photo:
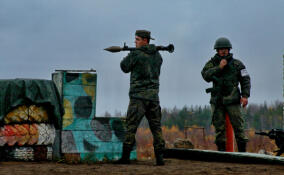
(218, 156)
(278, 136)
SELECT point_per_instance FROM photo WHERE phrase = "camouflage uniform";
(225, 95)
(144, 64)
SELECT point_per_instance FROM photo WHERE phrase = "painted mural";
(35, 153)
(27, 134)
(25, 113)
(92, 137)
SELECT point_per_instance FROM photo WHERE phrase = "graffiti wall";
(27, 134)
(26, 113)
(83, 133)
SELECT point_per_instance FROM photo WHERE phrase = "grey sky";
(39, 36)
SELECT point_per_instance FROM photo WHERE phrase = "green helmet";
(222, 43)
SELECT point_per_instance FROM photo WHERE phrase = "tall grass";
(200, 138)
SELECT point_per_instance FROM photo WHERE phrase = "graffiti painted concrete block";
(78, 93)
(93, 138)
(102, 139)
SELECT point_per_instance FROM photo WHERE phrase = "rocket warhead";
(113, 49)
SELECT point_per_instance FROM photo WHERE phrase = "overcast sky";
(39, 36)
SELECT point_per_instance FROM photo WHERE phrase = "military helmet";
(222, 43)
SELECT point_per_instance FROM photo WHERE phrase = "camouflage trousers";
(137, 109)
(219, 122)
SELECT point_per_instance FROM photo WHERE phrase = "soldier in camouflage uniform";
(144, 63)
(226, 73)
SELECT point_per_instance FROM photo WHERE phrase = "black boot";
(242, 146)
(159, 158)
(125, 158)
(221, 146)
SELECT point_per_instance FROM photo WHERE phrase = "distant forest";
(257, 116)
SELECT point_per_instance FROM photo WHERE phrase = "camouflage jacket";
(144, 64)
(226, 81)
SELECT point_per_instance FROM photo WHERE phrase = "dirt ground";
(173, 167)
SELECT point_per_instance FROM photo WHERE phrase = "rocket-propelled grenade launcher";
(170, 48)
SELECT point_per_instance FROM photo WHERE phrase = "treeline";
(187, 116)
(256, 116)
(264, 117)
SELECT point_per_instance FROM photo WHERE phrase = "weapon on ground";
(278, 136)
(170, 48)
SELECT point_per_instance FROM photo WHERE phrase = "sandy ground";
(173, 167)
